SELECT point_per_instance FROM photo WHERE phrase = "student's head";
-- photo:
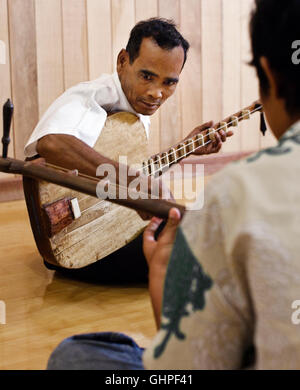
(274, 28)
(150, 67)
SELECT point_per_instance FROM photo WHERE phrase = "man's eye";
(171, 83)
(147, 77)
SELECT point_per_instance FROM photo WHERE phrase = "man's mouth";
(150, 105)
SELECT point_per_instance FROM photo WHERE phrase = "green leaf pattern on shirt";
(184, 290)
(277, 150)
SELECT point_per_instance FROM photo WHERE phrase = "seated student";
(228, 287)
(148, 72)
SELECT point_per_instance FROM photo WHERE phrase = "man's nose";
(156, 93)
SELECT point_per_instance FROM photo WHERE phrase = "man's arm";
(69, 152)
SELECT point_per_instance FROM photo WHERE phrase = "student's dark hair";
(274, 26)
(162, 31)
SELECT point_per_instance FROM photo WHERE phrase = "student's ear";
(270, 74)
(123, 60)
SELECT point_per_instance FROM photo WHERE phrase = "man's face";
(152, 77)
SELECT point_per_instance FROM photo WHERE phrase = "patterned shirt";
(233, 280)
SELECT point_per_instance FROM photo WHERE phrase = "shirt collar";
(125, 106)
(292, 131)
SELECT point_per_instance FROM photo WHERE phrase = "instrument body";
(103, 227)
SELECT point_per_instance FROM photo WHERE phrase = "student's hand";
(158, 252)
(217, 138)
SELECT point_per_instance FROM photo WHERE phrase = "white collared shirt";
(81, 111)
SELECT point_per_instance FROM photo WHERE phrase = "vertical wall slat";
(49, 52)
(212, 48)
(231, 9)
(145, 9)
(170, 112)
(99, 37)
(191, 77)
(23, 70)
(75, 45)
(250, 137)
(5, 87)
(123, 19)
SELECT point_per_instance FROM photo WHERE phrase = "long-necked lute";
(72, 229)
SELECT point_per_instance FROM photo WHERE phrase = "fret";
(246, 114)
(223, 126)
(151, 166)
(190, 146)
(199, 140)
(180, 151)
(165, 160)
(211, 133)
(234, 121)
(172, 156)
(145, 168)
(157, 165)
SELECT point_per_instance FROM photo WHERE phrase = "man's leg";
(97, 351)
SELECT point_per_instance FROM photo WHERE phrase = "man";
(147, 74)
(226, 294)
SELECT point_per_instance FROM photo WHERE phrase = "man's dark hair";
(162, 31)
(274, 26)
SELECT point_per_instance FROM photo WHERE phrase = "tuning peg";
(246, 114)
(234, 120)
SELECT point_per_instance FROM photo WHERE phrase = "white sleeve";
(74, 113)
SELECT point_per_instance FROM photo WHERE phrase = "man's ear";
(270, 74)
(123, 60)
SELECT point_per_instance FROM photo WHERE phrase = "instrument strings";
(200, 146)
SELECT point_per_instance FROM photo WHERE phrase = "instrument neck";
(159, 163)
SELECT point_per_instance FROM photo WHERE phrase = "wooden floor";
(43, 308)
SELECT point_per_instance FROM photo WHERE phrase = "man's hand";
(217, 138)
(157, 254)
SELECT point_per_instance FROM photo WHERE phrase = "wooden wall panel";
(5, 87)
(212, 54)
(49, 52)
(231, 65)
(145, 9)
(170, 112)
(191, 77)
(123, 19)
(99, 38)
(75, 45)
(250, 137)
(23, 70)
